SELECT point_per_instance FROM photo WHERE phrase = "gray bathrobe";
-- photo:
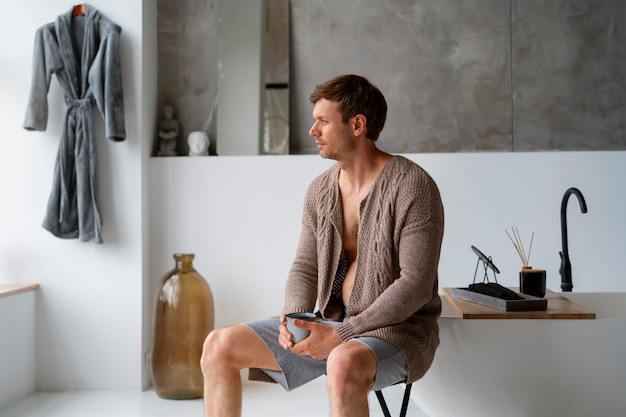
(84, 53)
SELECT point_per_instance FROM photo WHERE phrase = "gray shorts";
(297, 370)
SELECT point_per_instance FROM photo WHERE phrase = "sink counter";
(529, 368)
(559, 307)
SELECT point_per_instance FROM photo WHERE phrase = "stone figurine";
(168, 132)
(198, 143)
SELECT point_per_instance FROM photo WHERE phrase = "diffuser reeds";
(519, 246)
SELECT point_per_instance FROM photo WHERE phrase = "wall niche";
(484, 76)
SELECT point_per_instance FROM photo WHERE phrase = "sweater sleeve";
(301, 286)
(46, 61)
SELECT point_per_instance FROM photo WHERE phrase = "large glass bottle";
(183, 317)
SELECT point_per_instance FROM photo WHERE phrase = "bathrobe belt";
(80, 102)
(78, 144)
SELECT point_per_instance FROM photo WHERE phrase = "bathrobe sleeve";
(46, 61)
(105, 81)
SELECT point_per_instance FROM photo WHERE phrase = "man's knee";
(233, 348)
(351, 365)
(217, 348)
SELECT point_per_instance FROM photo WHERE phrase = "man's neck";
(362, 168)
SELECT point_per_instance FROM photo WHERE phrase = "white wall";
(241, 216)
(89, 308)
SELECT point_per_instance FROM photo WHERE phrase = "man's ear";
(359, 125)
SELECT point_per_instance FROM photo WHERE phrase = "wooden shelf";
(559, 307)
(6, 290)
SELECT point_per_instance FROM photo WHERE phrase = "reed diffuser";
(531, 281)
(519, 246)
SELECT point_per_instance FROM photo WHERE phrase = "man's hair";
(355, 95)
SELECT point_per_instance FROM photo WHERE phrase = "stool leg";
(405, 400)
(383, 403)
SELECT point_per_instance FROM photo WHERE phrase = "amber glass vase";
(183, 317)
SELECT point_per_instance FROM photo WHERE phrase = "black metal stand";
(486, 275)
(487, 264)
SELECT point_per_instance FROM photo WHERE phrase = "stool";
(405, 401)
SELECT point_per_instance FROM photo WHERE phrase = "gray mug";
(298, 333)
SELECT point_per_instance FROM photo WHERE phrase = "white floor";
(260, 400)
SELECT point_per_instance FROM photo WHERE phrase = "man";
(367, 257)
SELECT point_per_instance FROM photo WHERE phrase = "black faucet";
(566, 267)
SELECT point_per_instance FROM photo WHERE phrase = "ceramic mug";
(298, 333)
(533, 282)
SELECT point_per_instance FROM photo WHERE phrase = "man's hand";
(285, 339)
(322, 340)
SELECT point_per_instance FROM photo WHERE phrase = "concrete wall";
(485, 75)
(187, 65)
(468, 76)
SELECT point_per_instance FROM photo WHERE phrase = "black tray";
(529, 303)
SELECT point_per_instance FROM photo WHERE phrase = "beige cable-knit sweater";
(395, 294)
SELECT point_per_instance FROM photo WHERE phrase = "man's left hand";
(320, 342)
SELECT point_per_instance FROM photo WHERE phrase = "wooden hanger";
(78, 9)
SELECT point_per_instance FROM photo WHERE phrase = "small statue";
(198, 143)
(168, 132)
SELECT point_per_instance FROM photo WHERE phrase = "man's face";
(332, 136)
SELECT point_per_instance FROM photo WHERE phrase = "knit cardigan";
(395, 293)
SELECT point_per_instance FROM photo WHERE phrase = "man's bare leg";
(351, 373)
(225, 353)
